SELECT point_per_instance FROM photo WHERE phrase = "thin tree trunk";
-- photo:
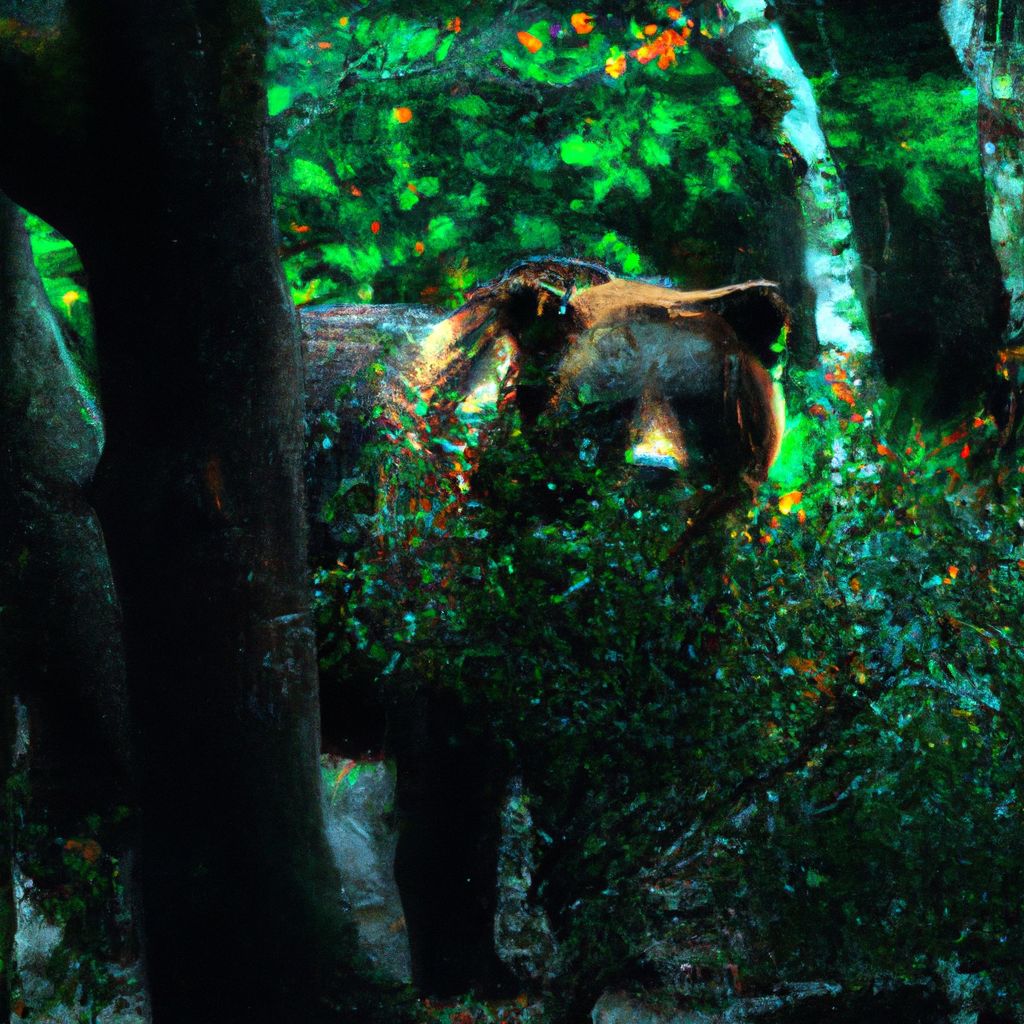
(996, 72)
(755, 50)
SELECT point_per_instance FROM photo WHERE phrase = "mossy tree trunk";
(163, 184)
(60, 630)
(754, 53)
(993, 60)
(934, 290)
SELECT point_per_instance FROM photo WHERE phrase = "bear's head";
(665, 385)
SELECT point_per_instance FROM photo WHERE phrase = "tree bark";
(61, 623)
(995, 71)
(200, 496)
(60, 628)
(754, 52)
(8, 914)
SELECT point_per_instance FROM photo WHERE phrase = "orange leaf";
(403, 115)
(843, 392)
(965, 451)
(531, 42)
(375, 226)
(958, 435)
(419, 247)
(345, 769)
(788, 501)
(583, 23)
(615, 66)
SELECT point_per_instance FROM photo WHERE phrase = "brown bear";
(682, 380)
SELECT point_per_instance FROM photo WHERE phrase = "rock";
(522, 933)
(37, 942)
(358, 799)
(803, 1002)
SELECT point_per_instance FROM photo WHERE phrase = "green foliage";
(923, 131)
(795, 751)
(63, 279)
(76, 883)
(813, 722)
(436, 172)
(474, 1011)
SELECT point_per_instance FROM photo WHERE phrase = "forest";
(511, 514)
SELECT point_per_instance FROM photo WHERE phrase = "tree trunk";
(995, 69)
(8, 913)
(936, 300)
(60, 628)
(200, 495)
(755, 53)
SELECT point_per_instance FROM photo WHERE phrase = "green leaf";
(441, 232)
(470, 106)
(311, 177)
(446, 45)
(536, 232)
(654, 153)
(422, 43)
(579, 152)
(279, 97)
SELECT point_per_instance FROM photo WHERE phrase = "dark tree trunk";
(61, 624)
(60, 629)
(199, 492)
(8, 919)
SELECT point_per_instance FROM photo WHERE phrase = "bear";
(683, 385)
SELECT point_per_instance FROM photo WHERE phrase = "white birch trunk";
(831, 264)
(998, 73)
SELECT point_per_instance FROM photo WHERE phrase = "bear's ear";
(755, 310)
(532, 300)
